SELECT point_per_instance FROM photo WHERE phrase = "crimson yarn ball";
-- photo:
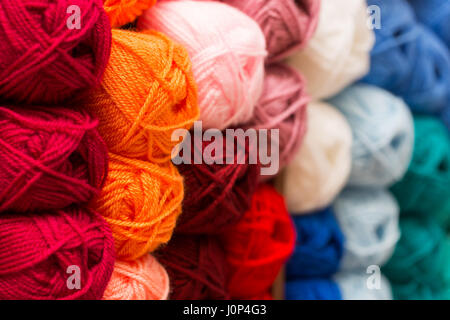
(49, 158)
(39, 253)
(196, 268)
(258, 246)
(47, 53)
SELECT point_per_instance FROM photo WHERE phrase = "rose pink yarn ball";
(282, 106)
(47, 53)
(42, 255)
(227, 49)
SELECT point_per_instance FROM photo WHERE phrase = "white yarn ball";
(339, 52)
(355, 286)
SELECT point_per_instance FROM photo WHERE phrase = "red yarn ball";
(49, 158)
(46, 56)
(196, 268)
(217, 195)
(38, 250)
(257, 247)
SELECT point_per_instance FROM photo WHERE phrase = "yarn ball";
(355, 286)
(257, 247)
(425, 188)
(121, 12)
(409, 60)
(50, 158)
(227, 49)
(420, 266)
(42, 254)
(383, 134)
(287, 24)
(46, 53)
(312, 289)
(217, 195)
(318, 248)
(321, 167)
(339, 51)
(147, 92)
(141, 202)
(446, 117)
(436, 15)
(141, 279)
(196, 267)
(282, 106)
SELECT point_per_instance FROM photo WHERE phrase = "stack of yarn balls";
(224, 149)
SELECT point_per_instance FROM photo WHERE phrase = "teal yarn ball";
(369, 221)
(420, 266)
(425, 189)
(383, 134)
(360, 285)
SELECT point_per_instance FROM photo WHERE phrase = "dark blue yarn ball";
(313, 289)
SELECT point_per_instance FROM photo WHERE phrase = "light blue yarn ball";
(383, 134)
(369, 221)
(364, 285)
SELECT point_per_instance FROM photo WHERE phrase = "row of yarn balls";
(234, 235)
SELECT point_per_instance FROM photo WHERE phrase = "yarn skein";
(355, 286)
(258, 245)
(409, 60)
(312, 289)
(227, 49)
(196, 267)
(339, 51)
(40, 252)
(319, 246)
(50, 158)
(48, 55)
(147, 92)
(282, 106)
(141, 279)
(369, 221)
(383, 134)
(141, 202)
(321, 167)
(121, 12)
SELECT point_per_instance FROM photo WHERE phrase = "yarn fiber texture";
(50, 158)
(257, 247)
(319, 246)
(321, 167)
(369, 221)
(42, 60)
(383, 134)
(313, 289)
(227, 49)
(141, 279)
(409, 60)
(354, 286)
(339, 51)
(196, 267)
(121, 12)
(282, 106)
(38, 252)
(147, 92)
(141, 202)
(425, 187)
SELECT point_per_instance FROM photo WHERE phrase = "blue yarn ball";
(436, 15)
(354, 286)
(319, 246)
(383, 134)
(369, 221)
(312, 289)
(409, 60)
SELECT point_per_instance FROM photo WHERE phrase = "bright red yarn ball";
(49, 158)
(257, 247)
(51, 49)
(39, 252)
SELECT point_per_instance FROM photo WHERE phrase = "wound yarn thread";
(121, 12)
(312, 289)
(227, 49)
(42, 59)
(50, 158)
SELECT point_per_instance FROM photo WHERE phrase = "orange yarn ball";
(141, 202)
(142, 279)
(147, 91)
(121, 12)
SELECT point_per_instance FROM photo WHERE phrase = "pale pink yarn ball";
(227, 49)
